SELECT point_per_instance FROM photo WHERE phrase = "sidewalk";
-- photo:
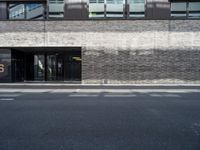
(81, 88)
(95, 86)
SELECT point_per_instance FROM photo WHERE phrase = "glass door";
(39, 67)
(51, 67)
(60, 68)
(55, 68)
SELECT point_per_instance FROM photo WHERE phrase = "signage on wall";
(2, 68)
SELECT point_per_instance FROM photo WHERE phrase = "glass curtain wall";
(185, 10)
(26, 11)
(96, 9)
(194, 10)
(136, 8)
(115, 8)
(56, 8)
(178, 9)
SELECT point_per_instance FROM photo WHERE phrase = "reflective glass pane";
(178, 9)
(39, 67)
(114, 8)
(96, 8)
(34, 11)
(56, 8)
(194, 10)
(16, 11)
(51, 67)
(136, 8)
(26, 11)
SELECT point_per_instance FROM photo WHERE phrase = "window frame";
(187, 11)
(126, 11)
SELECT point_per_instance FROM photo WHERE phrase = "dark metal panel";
(158, 9)
(3, 11)
(149, 9)
(75, 9)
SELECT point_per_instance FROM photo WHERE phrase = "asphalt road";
(100, 121)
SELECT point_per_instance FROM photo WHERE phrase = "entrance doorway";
(47, 65)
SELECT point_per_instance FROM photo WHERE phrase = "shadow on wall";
(141, 66)
(75, 10)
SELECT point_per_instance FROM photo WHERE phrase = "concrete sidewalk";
(95, 86)
(78, 88)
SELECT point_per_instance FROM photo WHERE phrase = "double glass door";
(57, 67)
(48, 67)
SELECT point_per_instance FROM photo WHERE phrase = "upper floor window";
(194, 10)
(136, 8)
(178, 10)
(185, 9)
(96, 8)
(26, 11)
(116, 8)
(56, 8)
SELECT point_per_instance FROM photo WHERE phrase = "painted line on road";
(9, 95)
(117, 95)
(7, 99)
(83, 95)
(164, 95)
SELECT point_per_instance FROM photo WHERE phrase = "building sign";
(2, 68)
(5, 65)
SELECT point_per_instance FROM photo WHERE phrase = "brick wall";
(141, 66)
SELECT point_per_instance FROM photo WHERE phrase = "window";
(115, 8)
(194, 10)
(186, 9)
(136, 8)
(56, 8)
(16, 11)
(96, 8)
(178, 10)
(26, 11)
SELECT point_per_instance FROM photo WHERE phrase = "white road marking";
(6, 99)
(164, 95)
(171, 95)
(9, 95)
(83, 95)
(62, 91)
(119, 95)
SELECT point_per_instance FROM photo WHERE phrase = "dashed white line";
(9, 95)
(7, 99)
(82, 95)
(117, 95)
